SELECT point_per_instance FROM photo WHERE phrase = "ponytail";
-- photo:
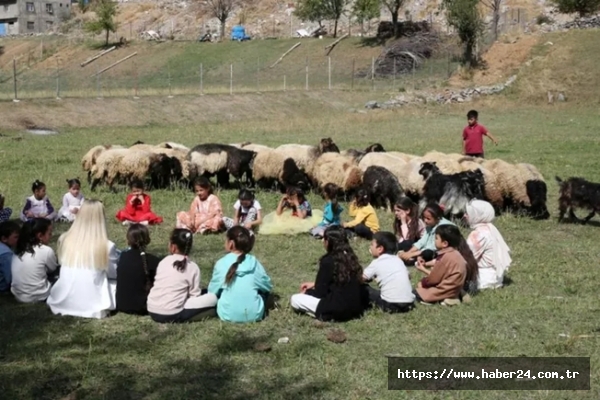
(233, 269)
(182, 239)
(147, 283)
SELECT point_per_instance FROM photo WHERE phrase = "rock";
(336, 336)
(371, 105)
(262, 347)
(561, 97)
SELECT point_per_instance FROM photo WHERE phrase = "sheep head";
(427, 169)
(375, 148)
(328, 146)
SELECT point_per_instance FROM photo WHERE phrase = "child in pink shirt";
(206, 212)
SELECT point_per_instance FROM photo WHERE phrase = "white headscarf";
(481, 214)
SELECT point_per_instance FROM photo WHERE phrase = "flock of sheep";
(450, 179)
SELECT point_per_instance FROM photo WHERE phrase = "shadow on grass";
(49, 357)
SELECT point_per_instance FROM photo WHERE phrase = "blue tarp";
(238, 32)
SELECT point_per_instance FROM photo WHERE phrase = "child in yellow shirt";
(365, 222)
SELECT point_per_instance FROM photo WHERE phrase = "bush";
(543, 19)
(582, 7)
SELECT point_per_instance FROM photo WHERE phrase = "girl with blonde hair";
(86, 286)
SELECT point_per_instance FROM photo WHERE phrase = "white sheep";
(106, 166)
(338, 169)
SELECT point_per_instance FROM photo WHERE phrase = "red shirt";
(473, 138)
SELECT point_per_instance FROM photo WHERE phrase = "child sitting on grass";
(396, 294)
(332, 211)
(72, 201)
(38, 205)
(294, 215)
(138, 207)
(34, 262)
(365, 222)
(5, 212)
(206, 211)
(137, 269)
(239, 280)
(176, 296)
(248, 212)
(453, 269)
(9, 236)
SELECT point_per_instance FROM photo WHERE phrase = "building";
(32, 16)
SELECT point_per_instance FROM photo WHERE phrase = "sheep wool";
(210, 163)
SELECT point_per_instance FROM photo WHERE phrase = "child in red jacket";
(137, 207)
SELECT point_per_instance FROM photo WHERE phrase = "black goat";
(382, 186)
(578, 192)
(453, 191)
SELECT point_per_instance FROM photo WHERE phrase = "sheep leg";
(562, 208)
(94, 183)
(89, 177)
(572, 215)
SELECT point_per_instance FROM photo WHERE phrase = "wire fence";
(195, 76)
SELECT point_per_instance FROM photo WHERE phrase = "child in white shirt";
(38, 205)
(396, 294)
(33, 262)
(248, 212)
(72, 201)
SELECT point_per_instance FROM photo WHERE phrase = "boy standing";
(473, 136)
(396, 294)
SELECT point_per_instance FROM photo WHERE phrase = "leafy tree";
(106, 11)
(320, 10)
(365, 10)
(394, 7)
(220, 9)
(583, 7)
(465, 17)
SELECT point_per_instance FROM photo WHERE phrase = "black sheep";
(453, 191)
(293, 176)
(578, 192)
(382, 186)
(238, 163)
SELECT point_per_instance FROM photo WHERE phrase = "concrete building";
(31, 16)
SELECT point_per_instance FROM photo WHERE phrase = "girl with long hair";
(206, 211)
(433, 217)
(408, 228)
(239, 280)
(86, 286)
(33, 262)
(176, 296)
(138, 207)
(338, 293)
(454, 269)
(331, 213)
(137, 269)
(365, 222)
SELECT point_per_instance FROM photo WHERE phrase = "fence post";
(98, 81)
(353, 67)
(372, 73)
(257, 74)
(231, 79)
(329, 70)
(284, 83)
(15, 99)
(57, 80)
(169, 77)
(136, 81)
(291, 29)
(201, 80)
(306, 81)
(394, 83)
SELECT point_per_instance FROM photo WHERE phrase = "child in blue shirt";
(239, 280)
(331, 213)
(9, 235)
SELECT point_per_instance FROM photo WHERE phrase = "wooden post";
(353, 65)
(201, 80)
(231, 79)
(257, 74)
(130, 31)
(372, 73)
(169, 76)
(394, 84)
(16, 98)
(329, 71)
(284, 83)
(285, 54)
(306, 81)
(98, 83)
(57, 80)
(135, 71)
(115, 64)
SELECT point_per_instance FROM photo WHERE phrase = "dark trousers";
(427, 255)
(360, 230)
(190, 315)
(405, 245)
(478, 155)
(376, 300)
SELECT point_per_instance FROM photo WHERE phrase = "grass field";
(549, 308)
(552, 291)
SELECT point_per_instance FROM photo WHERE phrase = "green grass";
(553, 291)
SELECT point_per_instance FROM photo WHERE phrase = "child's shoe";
(451, 302)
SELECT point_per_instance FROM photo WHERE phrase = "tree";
(494, 5)
(465, 17)
(319, 10)
(583, 7)
(220, 9)
(394, 7)
(365, 10)
(105, 18)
